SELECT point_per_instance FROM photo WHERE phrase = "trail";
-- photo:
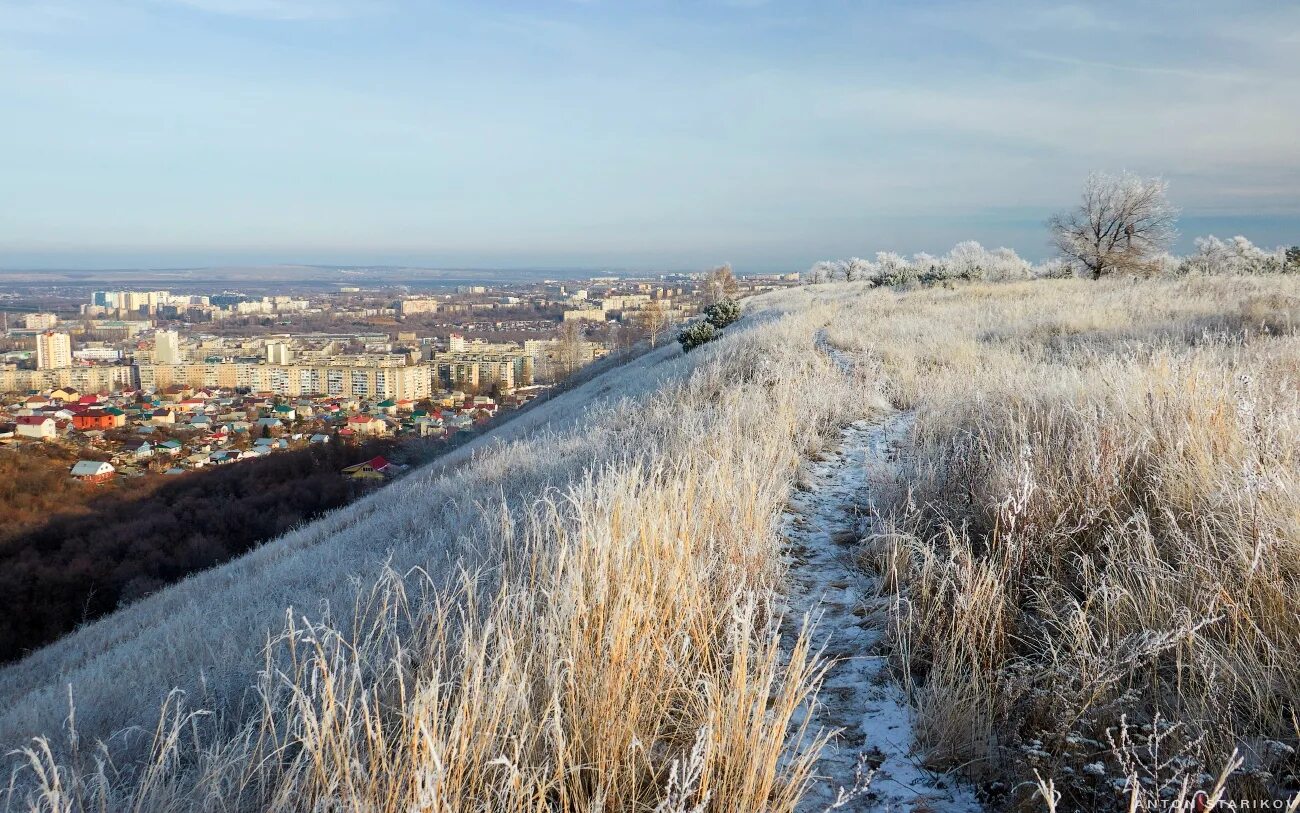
(823, 527)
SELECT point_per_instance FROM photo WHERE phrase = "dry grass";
(1091, 552)
(1094, 548)
(620, 651)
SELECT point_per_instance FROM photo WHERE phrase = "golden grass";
(621, 654)
(1097, 530)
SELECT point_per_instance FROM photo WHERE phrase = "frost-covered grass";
(1091, 550)
(574, 614)
(1095, 539)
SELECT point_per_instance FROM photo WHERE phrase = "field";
(1086, 556)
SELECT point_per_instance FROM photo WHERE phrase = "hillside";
(1057, 517)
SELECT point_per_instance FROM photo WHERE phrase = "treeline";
(117, 548)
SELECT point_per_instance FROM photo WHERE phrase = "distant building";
(93, 471)
(167, 347)
(41, 321)
(93, 419)
(585, 315)
(367, 425)
(482, 369)
(53, 350)
(376, 468)
(409, 307)
(279, 353)
(39, 427)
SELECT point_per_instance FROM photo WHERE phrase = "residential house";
(141, 451)
(40, 427)
(367, 425)
(93, 471)
(93, 419)
(376, 468)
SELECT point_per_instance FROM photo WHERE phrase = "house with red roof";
(39, 427)
(367, 425)
(376, 468)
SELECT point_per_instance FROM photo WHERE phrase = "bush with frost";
(722, 313)
(694, 335)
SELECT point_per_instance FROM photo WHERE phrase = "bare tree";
(1121, 225)
(568, 355)
(721, 283)
(656, 320)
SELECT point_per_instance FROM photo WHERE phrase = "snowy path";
(828, 515)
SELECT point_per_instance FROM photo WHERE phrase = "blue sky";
(623, 134)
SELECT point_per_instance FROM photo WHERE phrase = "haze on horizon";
(590, 133)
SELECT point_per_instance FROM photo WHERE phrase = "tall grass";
(1093, 548)
(607, 642)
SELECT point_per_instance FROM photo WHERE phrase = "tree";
(822, 271)
(1293, 258)
(656, 320)
(1122, 223)
(721, 283)
(696, 334)
(568, 351)
(723, 313)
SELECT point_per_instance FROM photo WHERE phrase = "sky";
(636, 134)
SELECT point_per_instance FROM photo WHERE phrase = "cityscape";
(141, 382)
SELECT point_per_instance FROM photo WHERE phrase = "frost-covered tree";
(891, 269)
(1292, 261)
(856, 269)
(1121, 224)
(1055, 268)
(1237, 256)
(821, 271)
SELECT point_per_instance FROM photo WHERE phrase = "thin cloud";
(1163, 70)
(279, 9)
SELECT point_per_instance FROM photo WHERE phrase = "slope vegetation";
(575, 613)
(1078, 570)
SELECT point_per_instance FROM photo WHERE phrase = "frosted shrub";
(694, 335)
(722, 313)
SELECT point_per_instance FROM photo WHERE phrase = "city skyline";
(640, 136)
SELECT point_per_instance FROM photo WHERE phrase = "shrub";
(692, 336)
(722, 313)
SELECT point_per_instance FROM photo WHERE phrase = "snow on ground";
(823, 527)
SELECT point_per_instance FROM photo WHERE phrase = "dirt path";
(823, 526)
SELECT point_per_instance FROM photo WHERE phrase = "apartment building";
(481, 369)
(53, 350)
(366, 381)
(100, 378)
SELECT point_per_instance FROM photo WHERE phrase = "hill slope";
(615, 551)
(1075, 558)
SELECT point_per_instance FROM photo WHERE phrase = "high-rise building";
(53, 350)
(279, 353)
(167, 347)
